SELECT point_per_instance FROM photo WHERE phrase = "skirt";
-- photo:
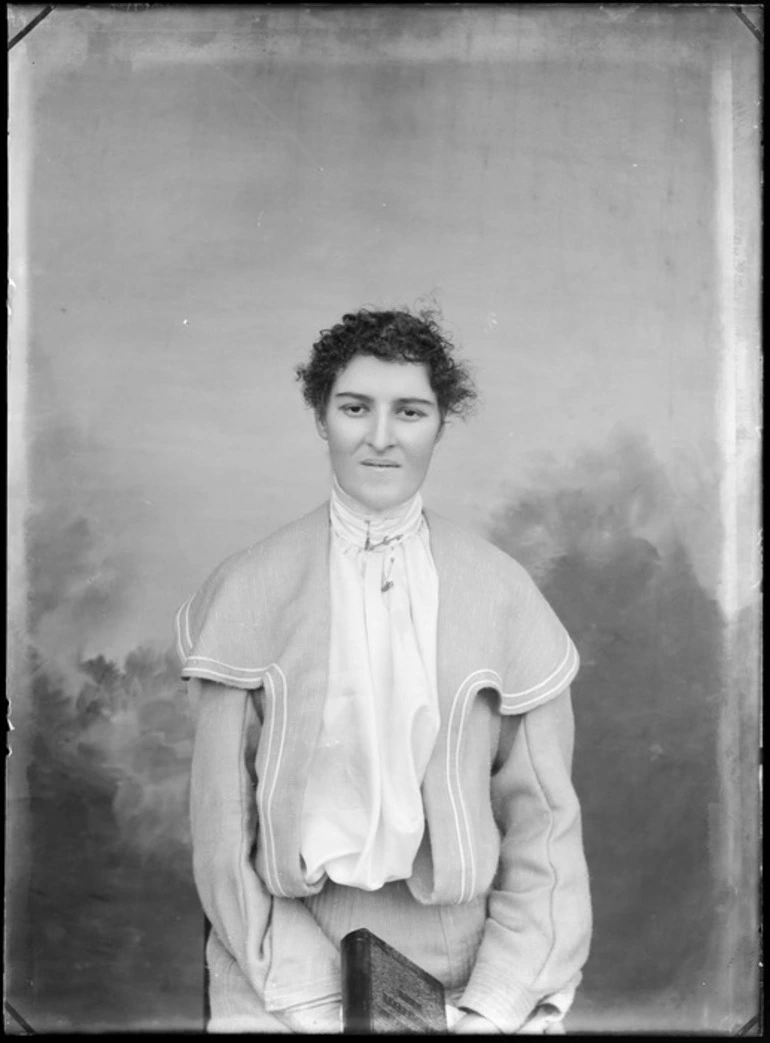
(442, 939)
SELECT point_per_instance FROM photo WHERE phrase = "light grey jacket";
(503, 820)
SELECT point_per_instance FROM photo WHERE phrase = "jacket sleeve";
(538, 929)
(288, 961)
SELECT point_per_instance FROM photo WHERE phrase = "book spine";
(356, 958)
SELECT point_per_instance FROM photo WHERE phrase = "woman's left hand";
(475, 1025)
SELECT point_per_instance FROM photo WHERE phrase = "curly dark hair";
(393, 336)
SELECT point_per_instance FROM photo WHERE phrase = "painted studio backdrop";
(196, 192)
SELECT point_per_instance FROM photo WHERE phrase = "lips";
(380, 464)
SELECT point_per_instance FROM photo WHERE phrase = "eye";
(353, 409)
(411, 414)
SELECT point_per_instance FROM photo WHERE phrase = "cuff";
(507, 1006)
(324, 1018)
(303, 995)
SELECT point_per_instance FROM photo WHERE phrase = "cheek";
(340, 439)
(423, 450)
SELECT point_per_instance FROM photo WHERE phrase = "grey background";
(195, 193)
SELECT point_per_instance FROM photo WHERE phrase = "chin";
(379, 499)
(381, 502)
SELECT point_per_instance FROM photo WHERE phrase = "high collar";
(370, 529)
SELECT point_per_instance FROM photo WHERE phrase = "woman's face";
(382, 424)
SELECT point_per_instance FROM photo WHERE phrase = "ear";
(320, 425)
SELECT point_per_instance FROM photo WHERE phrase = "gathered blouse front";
(362, 817)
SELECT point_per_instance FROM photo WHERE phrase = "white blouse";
(363, 817)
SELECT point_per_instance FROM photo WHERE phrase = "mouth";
(380, 464)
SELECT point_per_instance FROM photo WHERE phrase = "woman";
(384, 733)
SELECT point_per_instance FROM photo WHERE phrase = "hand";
(317, 1019)
(475, 1025)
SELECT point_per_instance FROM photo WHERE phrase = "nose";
(380, 434)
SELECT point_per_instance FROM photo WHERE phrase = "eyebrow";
(409, 400)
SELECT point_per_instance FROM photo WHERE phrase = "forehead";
(377, 378)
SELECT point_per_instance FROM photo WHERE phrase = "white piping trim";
(567, 672)
(472, 689)
(265, 808)
(490, 674)
(248, 670)
(209, 674)
(457, 821)
(458, 831)
(472, 683)
(278, 699)
(554, 673)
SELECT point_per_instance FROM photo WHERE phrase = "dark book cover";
(383, 991)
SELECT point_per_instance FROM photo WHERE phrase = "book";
(385, 992)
